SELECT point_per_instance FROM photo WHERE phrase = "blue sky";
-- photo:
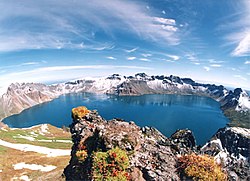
(51, 41)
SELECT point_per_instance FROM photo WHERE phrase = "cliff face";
(151, 155)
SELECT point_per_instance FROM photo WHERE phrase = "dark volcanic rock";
(183, 141)
(152, 156)
(231, 148)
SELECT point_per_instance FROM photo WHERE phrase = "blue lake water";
(165, 112)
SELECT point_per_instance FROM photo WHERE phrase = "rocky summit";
(120, 150)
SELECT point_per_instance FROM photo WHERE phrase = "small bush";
(110, 165)
(79, 112)
(201, 167)
(81, 155)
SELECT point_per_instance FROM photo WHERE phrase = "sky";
(52, 41)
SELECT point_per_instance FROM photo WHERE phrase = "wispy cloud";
(173, 57)
(215, 65)
(215, 61)
(192, 57)
(111, 58)
(146, 54)
(239, 34)
(131, 58)
(59, 28)
(131, 50)
(247, 62)
(207, 68)
(30, 63)
(145, 60)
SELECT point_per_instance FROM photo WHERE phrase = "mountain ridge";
(22, 96)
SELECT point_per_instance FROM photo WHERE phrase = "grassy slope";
(240, 119)
(9, 156)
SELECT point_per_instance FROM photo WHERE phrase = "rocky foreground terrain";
(235, 104)
(119, 150)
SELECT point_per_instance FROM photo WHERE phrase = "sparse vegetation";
(239, 119)
(200, 168)
(81, 155)
(110, 165)
(7, 160)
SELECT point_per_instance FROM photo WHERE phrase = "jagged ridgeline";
(120, 150)
(235, 104)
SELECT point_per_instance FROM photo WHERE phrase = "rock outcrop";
(152, 156)
(149, 158)
(231, 148)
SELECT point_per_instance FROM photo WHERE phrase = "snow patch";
(25, 178)
(38, 149)
(244, 102)
(25, 137)
(217, 142)
(242, 131)
(221, 157)
(23, 165)
(43, 129)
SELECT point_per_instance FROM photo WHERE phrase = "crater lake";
(167, 113)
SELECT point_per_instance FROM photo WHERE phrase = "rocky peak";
(148, 159)
(114, 77)
(237, 92)
(230, 146)
(151, 155)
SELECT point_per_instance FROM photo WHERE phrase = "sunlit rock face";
(152, 156)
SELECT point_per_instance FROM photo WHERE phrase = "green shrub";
(110, 165)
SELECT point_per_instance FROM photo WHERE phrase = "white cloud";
(163, 12)
(30, 63)
(243, 47)
(247, 62)
(131, 50)
(71, 24)
(131, 58)
(215, 65)
(215, 61)
(239, 35)
(192, 57)
(207, 68)
(145, 60)
(165, 21)
(196, 63)
(174, 57)
(146, 54)
(111, 58)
